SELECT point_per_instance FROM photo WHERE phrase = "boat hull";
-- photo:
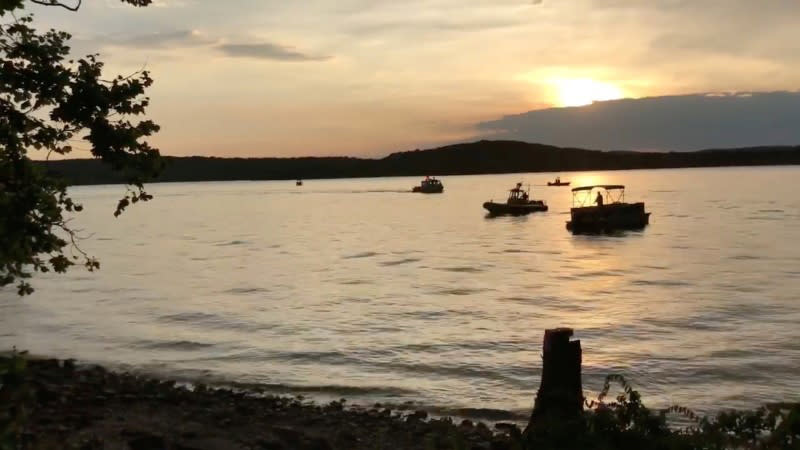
(549, 183)
(501, 209)
(428, 189)
(607, 218)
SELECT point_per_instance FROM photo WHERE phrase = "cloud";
(268, 51)
(168, 4)
(160, 40)
(438, 19)
(194, 38)
(433, 25)
(678, 123)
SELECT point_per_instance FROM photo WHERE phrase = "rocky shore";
(89, 407)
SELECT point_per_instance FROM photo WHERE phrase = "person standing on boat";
(599, 199)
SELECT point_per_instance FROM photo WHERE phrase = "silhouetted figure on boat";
(599, 199)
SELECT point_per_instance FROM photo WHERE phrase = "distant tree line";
(470, 158)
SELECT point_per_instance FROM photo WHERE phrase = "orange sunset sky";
(368, 77)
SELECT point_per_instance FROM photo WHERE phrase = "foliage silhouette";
(625, 423)
(48, 101)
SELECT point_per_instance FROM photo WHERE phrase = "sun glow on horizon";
(584, 91)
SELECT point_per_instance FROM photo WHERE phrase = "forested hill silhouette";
(469, 158)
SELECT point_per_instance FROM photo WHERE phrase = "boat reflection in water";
(518, 203)
(602, 209)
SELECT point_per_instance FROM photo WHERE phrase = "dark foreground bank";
(51, 404)
(93, 408)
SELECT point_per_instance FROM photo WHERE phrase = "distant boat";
(518, 203)
(429, 185)
(558, 182)
(604, 213)
(298, 183)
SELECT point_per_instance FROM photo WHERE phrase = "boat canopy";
(607, 187)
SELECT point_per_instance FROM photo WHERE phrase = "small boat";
(558, 182)
(518, 203)
(429, 185)
(606, 212)
(298, 183)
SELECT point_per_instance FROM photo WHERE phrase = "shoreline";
(156, 182)
(91, 407)
(472, 158)
(359, 396)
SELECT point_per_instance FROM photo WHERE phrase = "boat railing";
(585, 196)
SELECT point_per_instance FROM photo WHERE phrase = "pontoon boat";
(602, 208)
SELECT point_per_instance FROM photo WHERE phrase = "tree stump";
(560, 395)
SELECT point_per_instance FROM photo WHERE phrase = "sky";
(370, 77)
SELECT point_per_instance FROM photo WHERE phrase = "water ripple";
(460, 291)
(661, 282)
(230, 243)
(400, 261)
(423, 298)
(461, 269)
(173, 345)
(245, 290)
(361, 255)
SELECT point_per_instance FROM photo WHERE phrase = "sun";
(584, 91)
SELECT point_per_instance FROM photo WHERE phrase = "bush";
(626, 423)
(13, 399)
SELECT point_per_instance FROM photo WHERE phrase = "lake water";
(355, 288)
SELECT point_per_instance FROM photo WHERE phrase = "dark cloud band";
(679, 123)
